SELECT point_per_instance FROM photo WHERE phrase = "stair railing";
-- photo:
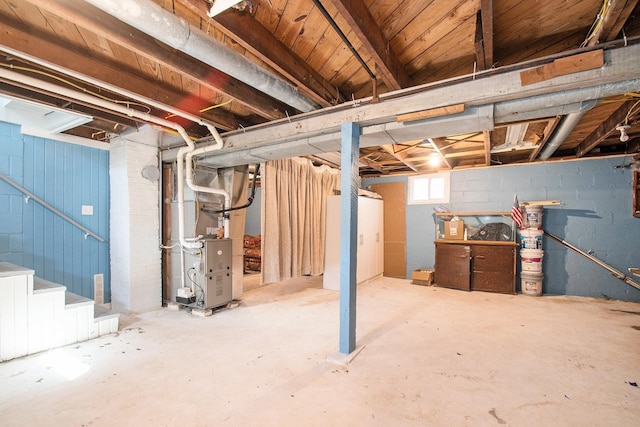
(30, 195)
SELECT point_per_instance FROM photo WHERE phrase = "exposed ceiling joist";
(250, 34)
(357, 15)
(113, 29)
(437, 143)
(609, 24)
(53, 52)
(605, 129)
(400, 155)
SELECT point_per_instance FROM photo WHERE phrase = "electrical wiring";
(80, 88)
(598, 23)
(199, 299)
(211, 107)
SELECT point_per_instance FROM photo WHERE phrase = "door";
(494, 269)
(395, 235)
(453, 266)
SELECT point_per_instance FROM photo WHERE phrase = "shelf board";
(473, 213)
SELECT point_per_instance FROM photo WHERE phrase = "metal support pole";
(348, 234)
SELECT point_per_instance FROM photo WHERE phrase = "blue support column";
(348, 234)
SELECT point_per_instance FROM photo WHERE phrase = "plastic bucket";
(533, 216)
(531, 238)
(531, 260)
(531, 283)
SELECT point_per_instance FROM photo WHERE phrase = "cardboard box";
(454, 230)
(422, 277)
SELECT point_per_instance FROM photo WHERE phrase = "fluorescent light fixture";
(219, 6)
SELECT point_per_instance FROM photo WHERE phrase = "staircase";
(37, 315)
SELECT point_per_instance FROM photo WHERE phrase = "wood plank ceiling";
(331, 52)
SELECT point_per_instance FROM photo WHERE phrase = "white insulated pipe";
(152, 19)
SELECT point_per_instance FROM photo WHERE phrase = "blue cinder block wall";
(66, 176)
(595, 216)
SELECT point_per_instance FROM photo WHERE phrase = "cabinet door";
(453, 266)
(493, 269)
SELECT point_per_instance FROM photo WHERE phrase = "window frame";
(429, 201)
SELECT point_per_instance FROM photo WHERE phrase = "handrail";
(30, 195)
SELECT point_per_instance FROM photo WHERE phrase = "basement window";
(429, 189)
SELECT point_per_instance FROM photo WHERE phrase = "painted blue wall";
(252, 220)
(595, 215)
(66, 176)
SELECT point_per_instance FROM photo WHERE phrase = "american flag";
(516, 213)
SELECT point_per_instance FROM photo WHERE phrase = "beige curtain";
(294, 196)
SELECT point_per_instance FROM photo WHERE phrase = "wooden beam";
(428, 114)
(487, 147)
(437, 143)
(548, 131)
(105, 25)
(616, 15)
(75, 106)
(400, 155)
(478, 44)
(563, 66)
(464, 153)
(56, 52)
(372, 164)
(255, 38)
(361, 22)
(486, 8)
(605, 129)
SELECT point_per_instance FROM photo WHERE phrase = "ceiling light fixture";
(434, 159)
(219, 6)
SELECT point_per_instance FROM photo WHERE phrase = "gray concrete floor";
(431, 356)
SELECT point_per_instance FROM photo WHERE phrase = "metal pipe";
(30, 195)
(83, 97)
(613, 271)
(344, 38)
(567, 124)
(152, 19)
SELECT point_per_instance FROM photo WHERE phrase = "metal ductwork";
(567, 124)
(152, 19)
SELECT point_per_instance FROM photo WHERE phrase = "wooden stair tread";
(103, 313)
(7, 269)
(41, 286)
(74, 300)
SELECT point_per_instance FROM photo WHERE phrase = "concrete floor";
(431, 356)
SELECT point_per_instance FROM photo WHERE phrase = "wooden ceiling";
(331, 52)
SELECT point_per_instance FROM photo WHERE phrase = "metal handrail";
(30, 195)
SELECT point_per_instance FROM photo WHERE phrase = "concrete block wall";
(595, 215)
(135, 253)
(11, 200)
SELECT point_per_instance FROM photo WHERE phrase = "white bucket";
(531, 260)
(531, 238)
(531, 283)
(533, 216)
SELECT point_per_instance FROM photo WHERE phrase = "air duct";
(152, 19)
(567, 124)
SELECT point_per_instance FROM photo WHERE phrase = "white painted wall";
(136, 282)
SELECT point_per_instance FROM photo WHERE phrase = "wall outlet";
(87, 210)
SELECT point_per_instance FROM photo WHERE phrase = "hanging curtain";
(294, 196)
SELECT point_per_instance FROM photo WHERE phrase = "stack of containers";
(531, 253)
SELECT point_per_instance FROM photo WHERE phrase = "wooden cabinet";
(476, 265)
(453, 266)
(370, 241)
